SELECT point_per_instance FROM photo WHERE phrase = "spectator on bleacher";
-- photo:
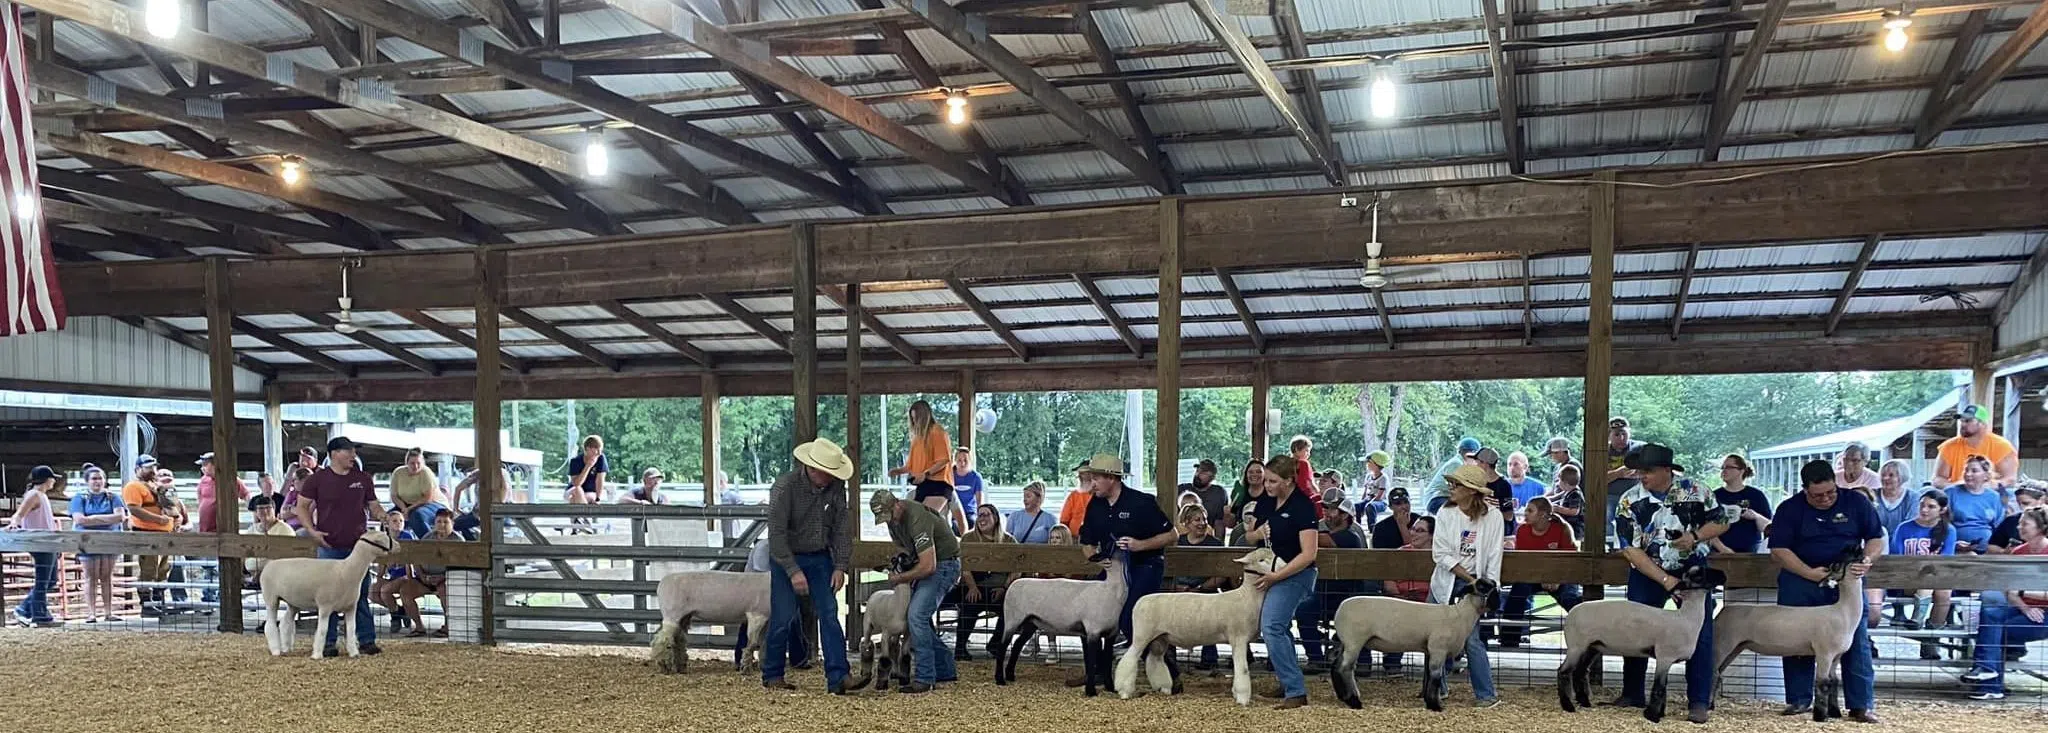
(147, 513)
(1745, 535)
(416, 491)
(1541, 533)
(648, 493)
(967, 485)
(294, 484)
(1854, 471)
(1567, 500)
(1438, 490)
(1927, 533)
(267, 523)
(1974, 439)
(800, 634)
(1677, 518)
(1250, 486)
(266, 487)
(1524, 486)
(466, 522)
(98, 510)
(2021, 620)
(1498, 492)
(1559, 451)
(930, 467)
(1373, 486)
(1812, 529)
(1197, 531)
(1074, 508)
(1896, 501)
(32, 513)
(207, 493)
(2006, 535)
(1215, 500)
(1032, 525)
(1394, 532)
(729, 495)
(1305, 476)
(335, 507)
(1975, 506)
(385, 589)
(429, 580)
(979, 592)
(587, 471)
(1619, 477)
(811, 542)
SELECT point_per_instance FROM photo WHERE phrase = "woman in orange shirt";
(931, 466)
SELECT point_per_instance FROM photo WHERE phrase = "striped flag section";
(34, 303)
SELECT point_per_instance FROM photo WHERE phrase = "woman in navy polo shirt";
(1812, 529)
(1285, 519)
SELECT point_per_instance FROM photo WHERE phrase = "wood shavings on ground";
(189, 683)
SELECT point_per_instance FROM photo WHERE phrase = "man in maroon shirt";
(335, 506)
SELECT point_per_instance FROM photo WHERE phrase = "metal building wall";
(2028, 319)
(108, 354)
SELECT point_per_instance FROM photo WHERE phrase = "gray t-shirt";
(757, 560)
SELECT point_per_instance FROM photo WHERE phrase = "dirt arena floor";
(187, 683)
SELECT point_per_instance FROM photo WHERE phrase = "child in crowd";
(425, 580)
(384, 591)
(267, 523)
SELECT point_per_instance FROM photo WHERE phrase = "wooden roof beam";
(1126, 99)
(1244, 309)
(2029, 276)
(1979, 83)
(356, 233)
(1379, 307)
(369, 338)
(794, 124)
(287, 345)
(168, 199)
(1505, 94)
(197, 343)
(147, 226)
(446, 331)
(1959, 53)
(751, 319)
(988, 318)
(1241, 51)
(1692, 261)
(874, 324)
(594, 219)
(1854, 279)
(1108, 311)
(1729, 96)
(955, 26)
(724, 208)
(656, 331)
(550, 332)
(504, 17)
(921, 70)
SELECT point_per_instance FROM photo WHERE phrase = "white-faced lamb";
(1090, 608)
(888, 628)
(1630, 629)
(1162, 622)
(1824, 632)
(1385, 624)
(327, 586)
(709, 596)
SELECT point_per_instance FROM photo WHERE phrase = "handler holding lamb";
(929, 539)
(1810, 530)
(1676, 518)
(1133, 521)
(1285, 520)
(812, 545)
(335, 505)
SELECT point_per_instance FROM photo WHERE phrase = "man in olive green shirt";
(929, 538)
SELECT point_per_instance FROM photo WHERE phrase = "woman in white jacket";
(1467, 548)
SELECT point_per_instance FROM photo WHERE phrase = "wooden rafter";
(1850, 284)
(921, 70)
(593, 218)
(1506, 97)
(147, 226)
(170, 200)
(442, 329)
(287, 345)
(550, 332)
(1245, 315)
(2002, 60)
(2030, 276)
(1692, 261)
(1108, 311)
(504, 17)
(369, 338)
(1959, 52)
(1528, 303)
(654, 330)
(340, 41)
(725, 208)
(197, 343)
(355, 233)
(874, 324)
(1379, 307)
(1728, 97)
(1126, 99)
(1246, 56)
(988, 318)
(750, 319)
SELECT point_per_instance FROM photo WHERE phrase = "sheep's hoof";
(1653, 715)
(1353, 702)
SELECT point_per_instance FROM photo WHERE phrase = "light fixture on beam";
(291, 169)
(1895, 25)
(597, 159)
(956, 107)
(163, 17)
(1384, 95)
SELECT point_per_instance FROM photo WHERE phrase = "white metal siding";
(2028, 319)
(102, 352)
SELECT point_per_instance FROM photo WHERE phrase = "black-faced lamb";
(1162, 622)
(1090, 608)
(1385, 624)
(1825, 632)
(710, 596)
(1630, 629)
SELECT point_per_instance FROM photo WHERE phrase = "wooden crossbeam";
(1505, 95)
(1727, 98)
(1126, 99)
(1379, 306)
(197, 343)
(550, 332)
(368, 338)
(2030, 274)
(174, 202)
(287, 345)
(503, 16)
(724, 208)
(1244, 309)
(842, 297)
(1528, 303)
(1108, 311)
(655, 330)
(1692, 261)
(340, 41)
(593, 218)
(988, 318)
(147, 226)
(2002, 60)
(1241, 52)
(921, 70)
(442, 329)
(752, 320)
(794, 124)
(1959, 52)
(1849, 285)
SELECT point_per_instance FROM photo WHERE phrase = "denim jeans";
(35, 606)
(1476, 661)
(931, 661)
(1276, 618)
(799, 647)
(421, 519)
(1520, 601)
(1699, 670)
(783, 617)
(2000, 626)
(366, 627)
(1859, 679)
(1140, 580)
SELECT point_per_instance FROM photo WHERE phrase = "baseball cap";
(340, 442)
(204, 458)
(1617, 422)
(2036, 489)
(1468, 446)
(881, 502)
(1397, 495)
(309, 452)
(40, 474)
(1558, 444)
(1487, 456)
(1379, 458)
(145, 460)
(1979, 413)
(652, 472)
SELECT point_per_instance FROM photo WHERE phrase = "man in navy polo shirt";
(1810, 530)
(1131, 519)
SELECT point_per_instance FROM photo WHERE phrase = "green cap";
(1379, 458)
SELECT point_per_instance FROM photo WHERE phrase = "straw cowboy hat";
(1105, 464)
(1470, 476)
(826, 456)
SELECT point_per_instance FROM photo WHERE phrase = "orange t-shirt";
(136, 494)
(1074, 510)
(935, 446)
(1955, 452)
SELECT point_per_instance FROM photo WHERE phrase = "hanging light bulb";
(956, 107)
(162, 17)
(291, 170)
(1383, 94)
(1895, 25)
(596, 158)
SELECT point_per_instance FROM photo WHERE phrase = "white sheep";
(1386, 624)
(1627, 628)
(888, 627)
(1090, 608)
(1163, 622)
(1825, 632)
(710, 596)
(328, 586)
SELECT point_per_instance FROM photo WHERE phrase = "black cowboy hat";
(1651, 455)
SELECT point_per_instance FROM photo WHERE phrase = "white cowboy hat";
(826, 456)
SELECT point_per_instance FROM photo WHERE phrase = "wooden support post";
(856, 622)
(964, 437)
(1599, 361)
(551, 23)
(1980, 386)
(2009, 418)
(707, 413)
(1166, 436)
(489, 462)
(220, 336)
(273, 431)
(1262, 401)
(803, 337)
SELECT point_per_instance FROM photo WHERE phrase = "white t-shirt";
(1472, 543)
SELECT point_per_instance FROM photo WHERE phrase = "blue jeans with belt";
(1276, 619)
(2000, 626)
(931, 661)
(1476, 661)
(1140, 580)
(366, 628)
(783, 619)
(1859, 678)
(1699, 670)
(35, 606)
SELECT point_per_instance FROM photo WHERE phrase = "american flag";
(34, 302)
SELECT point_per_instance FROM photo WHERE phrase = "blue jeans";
(1140, 580)
(1859, 679)
(421, 518)
(931, 661)
(1476, 661)
(783, 617)
(1276, 619)
(366, 628)
(799, 650)
(1998, 627)
(1520, 601)
(35, 606)
(1699, 670)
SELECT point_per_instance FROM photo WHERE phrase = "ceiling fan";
(1374, 275)
(345, 322)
